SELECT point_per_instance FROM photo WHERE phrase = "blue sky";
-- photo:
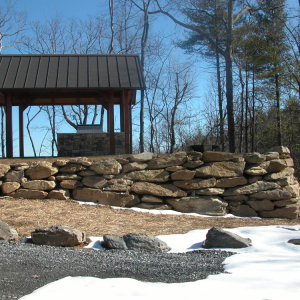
(38, 9)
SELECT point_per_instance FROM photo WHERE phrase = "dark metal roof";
(70, 72)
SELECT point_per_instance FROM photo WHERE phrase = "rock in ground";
(294, 241)
(58, 235)
(205, 205)
(219, 238)
(7, 233)
(135, 241)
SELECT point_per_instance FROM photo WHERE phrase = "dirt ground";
(25, 215)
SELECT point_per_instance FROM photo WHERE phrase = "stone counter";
(88, 144)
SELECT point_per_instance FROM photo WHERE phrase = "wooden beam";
(9, 129)
(111, 122)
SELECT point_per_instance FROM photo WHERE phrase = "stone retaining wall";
(210, 183)
(88, 144)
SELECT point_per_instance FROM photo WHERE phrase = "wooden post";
(122, 110)
(111, 122)
(21, 129)
(9, 129)
(127, 123)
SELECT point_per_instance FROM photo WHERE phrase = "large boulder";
(282, 203)
(60, 194)
(96, 182)
(195, 184)
(168, 160)
(183, 175)
(293, 189)
(80, 160)
(86, 194)
(68, 176)
(154, 206)
(7, 233)
(272, 195)
(243, 211)
(9, 187)
(135, 241)
(162, 190)
(210, 191)
(251, 188)
(149, 175)
(133, 166)
(275, 165)
(117, 188)
(58, 235)
(38, 185)
(272, 155)
(287, 212)
(4, 169)
(264, 205)
(115, 199)
(14, 176)
(108, 166)
(231, 182)
(254, 158)
(218, 238)
(205, 205)
(29, 194)
(41, 170)
(119, 185)
(280, 150)
(280, 175)
(255, 170)
(151, 199)
(70, 184)
(72, 168)
(193, 164)
(221, 169)
(141, 157)
(213, 156)
(194, 155)
(62, 162)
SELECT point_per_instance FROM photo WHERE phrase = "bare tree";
(29, 120)
(232, 13)
(12, 24)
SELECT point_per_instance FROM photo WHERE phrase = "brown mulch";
(26, 215)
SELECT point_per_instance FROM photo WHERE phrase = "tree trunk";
(278, 117)
(242, 110)
(220, 102)
(247, 111)
(144, 40)
(2, 131)
(253, 112)
(229, 86)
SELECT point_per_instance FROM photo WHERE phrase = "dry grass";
(25, 215)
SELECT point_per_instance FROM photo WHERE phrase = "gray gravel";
(26, 267)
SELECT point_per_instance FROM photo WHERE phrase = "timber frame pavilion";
(85, 79)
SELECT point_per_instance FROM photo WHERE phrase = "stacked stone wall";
(88, 144)
(209, 183)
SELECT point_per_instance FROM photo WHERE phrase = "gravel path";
(26, 267)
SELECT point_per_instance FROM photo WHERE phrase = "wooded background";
(251, 52)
